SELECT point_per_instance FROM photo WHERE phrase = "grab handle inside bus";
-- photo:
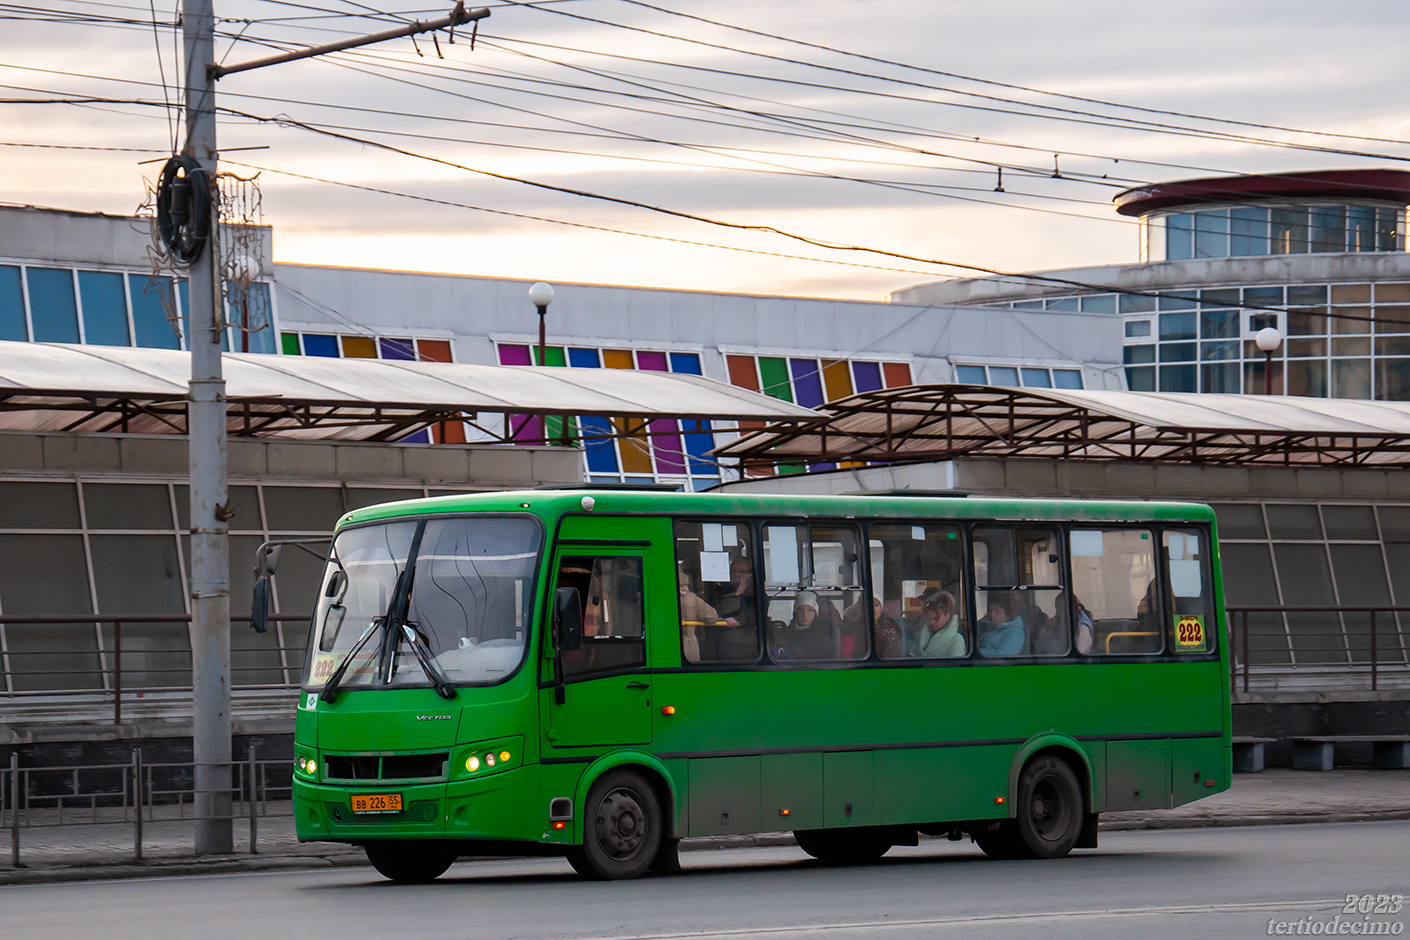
(567, 619)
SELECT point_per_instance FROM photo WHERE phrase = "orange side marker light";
(668, 709)
(1000, 800)
(560, 825)
(1209, 783)
(784, 812)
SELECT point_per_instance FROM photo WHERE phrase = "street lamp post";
(1268, 339)
(541, 295)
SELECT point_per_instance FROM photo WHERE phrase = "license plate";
(377, 803)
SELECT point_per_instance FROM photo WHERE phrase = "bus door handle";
(637, 685)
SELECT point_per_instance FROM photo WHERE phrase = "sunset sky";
(619, 99)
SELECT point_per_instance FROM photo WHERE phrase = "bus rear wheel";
(622, 828)
(409, 861)
(1050, 810)
(843, 846)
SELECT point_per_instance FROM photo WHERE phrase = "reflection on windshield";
(469, 600)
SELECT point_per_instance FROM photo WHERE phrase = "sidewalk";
(85, 851)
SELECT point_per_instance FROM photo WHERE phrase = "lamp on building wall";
(1268, 339)
(541, 295)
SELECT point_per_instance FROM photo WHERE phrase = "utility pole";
(205, 423)
(205, 428)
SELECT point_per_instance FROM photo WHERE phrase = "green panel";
(554, 355)
(601, 712)
(940, 784)
(792, 782)
(289, 342)
(847, 789)
(1194, 764)
(774, 375)
(1137, 774)
(724, 795)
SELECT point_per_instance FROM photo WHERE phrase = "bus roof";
(555, 502)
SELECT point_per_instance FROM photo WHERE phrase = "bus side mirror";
(259, 606)
(567, 619)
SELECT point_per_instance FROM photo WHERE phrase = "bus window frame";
(863, 569)
(963, 527)
(1206, 574)
(755, 526)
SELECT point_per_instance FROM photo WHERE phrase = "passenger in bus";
(1048, 635)
(1002, 631)
(738, 637)
(806, 636)
(853, 628)
(940, 638)
(696, 618)
(1082, 638)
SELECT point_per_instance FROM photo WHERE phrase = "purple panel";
(807, 382)
(513, 355)
(526, 428)
(666, 443)
(651, 361)
(867, 376)
(400, 349)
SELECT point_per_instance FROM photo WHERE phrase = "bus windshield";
(470, 588)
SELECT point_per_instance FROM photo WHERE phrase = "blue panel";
(698, 443)
(12, 325)
(583, 358)
(1067, 378)
(1006, 376)
(52, 307)
(318, 344)
(971, 375)
(686, 363)
(183, 291)
(104, 308)
(1036, 378)
(420, 437)
(400, 350)
(149, 324)
(602, 452)
(807, 382)
(866, 376)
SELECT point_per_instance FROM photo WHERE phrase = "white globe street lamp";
(541, 295)
(1268, 339)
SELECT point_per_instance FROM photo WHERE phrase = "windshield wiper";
(330, 688)
(433, 672)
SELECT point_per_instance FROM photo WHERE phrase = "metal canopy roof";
(46, 386)
(937, 422)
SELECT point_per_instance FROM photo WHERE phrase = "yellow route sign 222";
(1189, 632)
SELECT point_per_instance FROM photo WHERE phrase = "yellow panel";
(837, 378)
(635, 449)
(618, 359)
(359, 347)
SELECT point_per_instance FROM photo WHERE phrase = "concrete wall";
(24, 453)
(1042, 477)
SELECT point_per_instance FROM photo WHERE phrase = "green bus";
(597, 673)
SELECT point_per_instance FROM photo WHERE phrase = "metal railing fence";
(136, 794)
(1356, 642)
(110, 672)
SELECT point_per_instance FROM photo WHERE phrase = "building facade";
(1318, 256)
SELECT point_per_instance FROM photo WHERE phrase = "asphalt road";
(1205, 883)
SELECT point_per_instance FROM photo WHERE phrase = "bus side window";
(1019, 592)
(1114, 587)
(715, 588)
(1191, 623)
(610, 591)
(919, 601)
(812, 576)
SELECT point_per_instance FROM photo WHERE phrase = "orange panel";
(618, 359)
(359, 347)
(837, 378)
(897, 373)
(742, 372)
(635, 449)
(435, 350)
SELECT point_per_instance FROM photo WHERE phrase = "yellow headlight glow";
(504, 755)
(312, 765)
(472, 763)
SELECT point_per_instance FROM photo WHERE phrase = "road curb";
(223, 865)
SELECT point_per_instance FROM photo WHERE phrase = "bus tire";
(622, 828)
(1050, 810)
(1003, 844)
(842, 846)
(409, 862)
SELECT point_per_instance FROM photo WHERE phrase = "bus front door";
(602, 695)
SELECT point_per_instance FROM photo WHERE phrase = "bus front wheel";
(409, 861)
(1050, 810)
(622, 828)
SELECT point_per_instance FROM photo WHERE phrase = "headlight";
(472, 763)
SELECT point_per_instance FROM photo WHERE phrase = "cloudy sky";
(743, 120)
